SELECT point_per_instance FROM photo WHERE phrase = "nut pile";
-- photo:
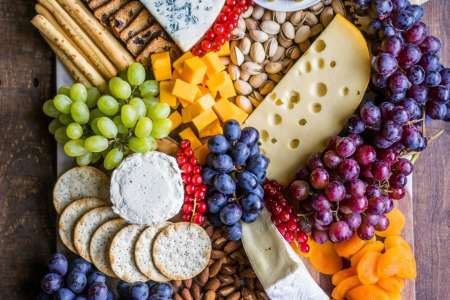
(266, 44)
(228, 276)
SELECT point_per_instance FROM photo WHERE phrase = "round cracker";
(181, 251)
(77, 183)
(71, 214)
(121, 254)
(143, 253)
(87, 225)
(100, 242)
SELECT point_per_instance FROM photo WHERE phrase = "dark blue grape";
(395, 97)
(123, 289)
(259, 191)
(389, 31)
(82, 298)
(249, 136)
(254, 149)
(391, 131)
(208, 175)
(230, 214)
(110, 296)
(232, 130)
(224, 184)
(247, 181)
(430, 44)
(379, 81)
(445, 77)
(51, 283)
(76, 281)
(355, 125)
(447, 116)
(218, 144)
(64, 294)
(381, 142)
(161, 291)
(251, 203)
(214, 219)
(433, 78)
(234, 232)
(392, 45)
(385, 64)
(58, 264)
(403, 20)
(96, 277)
(399, 115)
(370, 114)
(81, 265)
(430, 62)
(257, 163)
(139, 291)
(382, 8)
(436, 110)
(398, 82)
(222, 163)
(240, 153)
(249, 217)
(216, 202)
(411, 138)
(98, 291)
(413, 109)
(419, 93)
(43, 296)
(416, 11)
(416, 75)
(260, 175)
(400, 4)
(440, 94)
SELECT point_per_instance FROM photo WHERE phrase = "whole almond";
(210, 295)
(225, 291)
(218, 243)
(276, 77)
(267, 87)
(215, 268)
(177, 297)
(196, 291)
(248, 273)
(187, 283)
(270, 27)
(213, 284)
(217, 234)
(234, 296)
(232, 246)
(226, 279)
(209, 230)
(186, 294)
(203, 277)
(215, 254)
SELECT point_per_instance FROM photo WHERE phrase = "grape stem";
(193, 210)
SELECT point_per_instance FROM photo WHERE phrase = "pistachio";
(234, 72)
(284, 41)
(288, 30)
(326, 16)
(317, 8)
(242, 87)
(304, 46)
(258, 12)
(244, 103)
(245, 45)
(241, 25)
(236, 56)
(225, 60)
(237, 34)
(286, 64)
(248, 12)
(303, 33)
(251, 68)
(311, 19)
(293, 52)
(270, 47)
(258, 96)
(316, 29)
(251, 24)
(258, 35)
(298, 17)
(257, 80)
(280, 17)
(270, 27)
(273, 67)
(267, 16)
(279, 54)
(257, 53)
(338, 7)
(267, 87)
(275, 77)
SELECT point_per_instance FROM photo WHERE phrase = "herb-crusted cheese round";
(147, 189)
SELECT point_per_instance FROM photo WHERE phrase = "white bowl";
(286, 5)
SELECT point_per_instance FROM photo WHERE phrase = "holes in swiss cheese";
(273, 140)
(279, 102)
(345, 91)
(320, 45)
(275, 119)
(316, 107)
(333, 64)
(294, 99)
(302, 122)
(294, 143)
(305, 67)
(320, 89)
(264, 135)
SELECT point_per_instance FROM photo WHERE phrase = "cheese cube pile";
(198, 89)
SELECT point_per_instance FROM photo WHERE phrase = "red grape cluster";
(283, 215)
(221, 30)
(194, 206)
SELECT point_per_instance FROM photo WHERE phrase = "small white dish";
(286, 5)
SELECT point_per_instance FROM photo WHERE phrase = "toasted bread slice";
(142, 21)
(137, 43)
(181, 251)
(104, 12)
(123, 17)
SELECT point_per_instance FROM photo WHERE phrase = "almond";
(215, 254)
(226, 279)
(232, 246)
(195, 291)
(219, 242)
(186, 294)
(228, 270)
(215, 268)
(177, 297)
(234, 296)
(210, 295)
(226, 290)
(213, 284)
(187, 283)
(203, 277)
(177, 284)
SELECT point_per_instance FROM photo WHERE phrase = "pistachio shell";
(317, 8)
(270, 47)
(245, 45)
(303, 33)
(316, 29)
(270, 27)
(288, 30)
(242, 87)
(236, 56)
(248, 12)
(251, 24)
(267, 87)
(311, 19)
(273, 67)
(258, 35)
(257, 80)
(234, 72)
(251, 68)
(258, 12)
(326, 16)
(267, 16)
(298, 17)
(284, 41)
(276, 77)
(279, 54)
(257, 53)
(280, 17)
(293, 52)
(338, 7)
(244, 104)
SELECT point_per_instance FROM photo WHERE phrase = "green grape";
(149, 87)
(74, 131)
(139, 106)
(128, 116)
(107, 127)
(78, 92)
(64, 90)
(113, 159)
(161, 128)
(54, 125)
(108, 105)
(150, 101)
(119, 88)
(136, 74)
(74, 148)
(94, 126)
(96, 157)
(62, 103)
(142, 145)
(50, 109)
(120, 127)
(85, 159)
(95, 113)
(159, 111)
(92, 96)
(60, 135)
(143, 127)
(96, 143)
(80, 112)
(65, 119)
(123, 74)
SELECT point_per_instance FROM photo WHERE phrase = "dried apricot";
(349, 247)
(370, 246)
(396, 240)
(367, 267)
(408, 269)
(344, 286)
(342, 274)
(367, 292)
(391, 284)
(394, 296)
(325, 259)
(391, 261)
(396, 223)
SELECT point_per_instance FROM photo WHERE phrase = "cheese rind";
(314, 99)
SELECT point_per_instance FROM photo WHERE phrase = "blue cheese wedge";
(147, 189)
(280, 271)
(186, 21)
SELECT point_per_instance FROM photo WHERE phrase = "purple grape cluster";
(75, 281)
(144, 291)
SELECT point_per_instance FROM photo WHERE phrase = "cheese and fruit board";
(238, 149)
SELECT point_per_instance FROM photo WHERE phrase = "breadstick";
(81, 39)
(120, 57)
(70, 67)
(53, 35)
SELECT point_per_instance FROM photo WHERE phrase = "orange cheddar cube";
(227, 110)
(228, 90)
(178, 64)
(202, 104)
(184, 90)
(224, 50)
(201, 153)
(212, 61)
(194, 70)
(189, 135)
(217, 82)
(186, 114)
(212, 129)
(203, 90)
(184, 103)
(204, 119)
(175, 117)
(161, 66)
(165, 93)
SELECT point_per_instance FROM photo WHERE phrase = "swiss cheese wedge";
(314, 99)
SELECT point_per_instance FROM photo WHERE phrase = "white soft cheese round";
(147, 189)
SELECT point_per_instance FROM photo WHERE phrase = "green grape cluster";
(92, 126)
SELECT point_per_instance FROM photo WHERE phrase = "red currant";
(201, 207)
(210, 35)
(187, 209)
(188, 152)
(288, 236)
(188, 198)
(197, 179)
(219, 28)
(186, 217)
(197, 170)
(190, 189)
(304, 248)
(181, 159)
(185, 144)
(200, 195)
(206, 45)
(220, 39)
(302, 237)
(231, 2)
(223, 18)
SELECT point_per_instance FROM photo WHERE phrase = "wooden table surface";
(27, 164)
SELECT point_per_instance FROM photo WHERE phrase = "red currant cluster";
(283, 216)
(221, 30)
(194, 205)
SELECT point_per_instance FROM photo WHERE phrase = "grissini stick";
(120, 57)
(60, 41)
(90, 50)
(70, 66)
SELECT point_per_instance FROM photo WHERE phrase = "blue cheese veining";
(186, 21)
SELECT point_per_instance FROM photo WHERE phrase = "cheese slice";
(280, 271)
(314, 99)
(186, 21)
(418, 2)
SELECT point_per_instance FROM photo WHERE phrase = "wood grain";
(27, 164)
